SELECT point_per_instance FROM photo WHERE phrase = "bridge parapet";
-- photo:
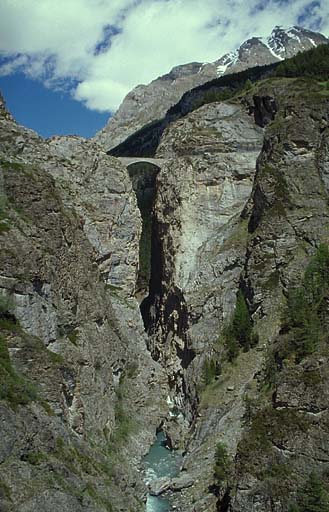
(126, 161)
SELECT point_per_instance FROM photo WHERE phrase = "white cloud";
(56, 41)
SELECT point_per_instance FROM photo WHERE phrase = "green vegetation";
(314, 63)
(112, 288)
(131, 369)
(100, 500)
(214, 95)
(268, 427)
(123, 425)
(79, 463)
(248, 85)
(313, 497)
(222, 464)
(224, 93)
(6, 304)
(75, 460)
(36, 458)
(305, 321)
(241, 323)
(7, 323)
(238, 332)
(311, 64)
(305, 317)
(27, 169)
(13, 388)
(210, 370)
(73, 336)
(54, 357)
(4, 491)
(12, 166)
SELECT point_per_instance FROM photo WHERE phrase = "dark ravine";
(143, 179)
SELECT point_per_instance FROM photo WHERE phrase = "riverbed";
(160, 462)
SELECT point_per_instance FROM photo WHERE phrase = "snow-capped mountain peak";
(146, 103)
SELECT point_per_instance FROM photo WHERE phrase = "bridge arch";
(128, 161)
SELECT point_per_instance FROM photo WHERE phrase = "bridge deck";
(126, 161)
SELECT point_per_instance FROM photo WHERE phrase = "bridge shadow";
(143, 175)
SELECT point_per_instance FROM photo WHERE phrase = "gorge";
(182, 292)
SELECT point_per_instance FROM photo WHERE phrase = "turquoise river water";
(160, 462)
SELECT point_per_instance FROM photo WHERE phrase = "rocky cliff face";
(76, 380)
(214, 243)
(228, 352)
(148, 103)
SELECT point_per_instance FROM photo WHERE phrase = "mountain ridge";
(147, 103)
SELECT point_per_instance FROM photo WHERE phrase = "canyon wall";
(225, 349)
(81, 395)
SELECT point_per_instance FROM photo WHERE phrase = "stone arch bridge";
(127, 161)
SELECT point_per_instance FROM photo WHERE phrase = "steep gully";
(158, 305)
(163, 310)
(162, 303)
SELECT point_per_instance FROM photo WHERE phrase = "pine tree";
(314, 497)
(241, 321)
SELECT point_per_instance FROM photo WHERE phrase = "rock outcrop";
(148, 103)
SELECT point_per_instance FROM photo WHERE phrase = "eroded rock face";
(239, 207)
(289, 219)
(77, 384)
(148, 103)
(198, 245)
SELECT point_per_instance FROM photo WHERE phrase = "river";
(160, 462)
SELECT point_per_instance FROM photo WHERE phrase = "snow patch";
(226, 62)
(221, 69)
(202, 66)
(292, 34)
(270, 43)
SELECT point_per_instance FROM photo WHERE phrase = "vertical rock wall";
(80, 396)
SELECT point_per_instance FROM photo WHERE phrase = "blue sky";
(46, 111)
(66, 65)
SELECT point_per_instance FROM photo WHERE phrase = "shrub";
(5, 305)
(231, 343)
(248, 84)
(307, 308)
(238, 333)
(241, 321)
(313, 497)
(13, 387)
(222, 463)
(35, 458)
(305, 321)
(73, 336)
(4, 221)
(210, 370)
